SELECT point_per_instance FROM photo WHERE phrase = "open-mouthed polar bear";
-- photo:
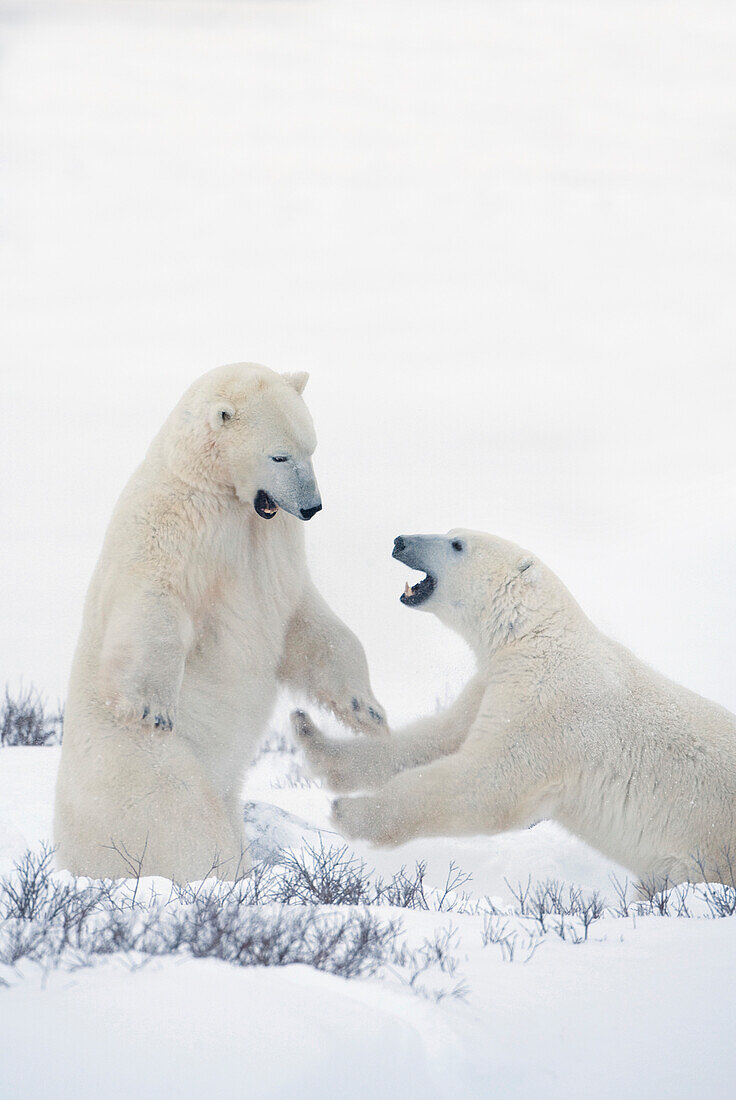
(200, 606)
(559, 722)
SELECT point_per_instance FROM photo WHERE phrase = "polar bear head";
(246, 429)
(488, 590)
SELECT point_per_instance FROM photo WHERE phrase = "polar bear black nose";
(307, 513)
(399, 544)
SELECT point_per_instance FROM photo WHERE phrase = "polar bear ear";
(220, 413)
(298, 381)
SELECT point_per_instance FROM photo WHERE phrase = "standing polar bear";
(200, 606)
(559, 721)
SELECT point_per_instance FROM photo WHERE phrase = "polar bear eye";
(279, 458)
(457, 545)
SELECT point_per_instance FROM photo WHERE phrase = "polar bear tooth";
(408, 590)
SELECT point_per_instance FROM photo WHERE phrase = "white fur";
(197, 610)
(558, 722)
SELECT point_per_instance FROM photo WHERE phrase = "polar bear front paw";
(327, 758)
(362, 713)
(313, 744)
(359, 818)
(151, 713)
(159, 719)
(304, 728)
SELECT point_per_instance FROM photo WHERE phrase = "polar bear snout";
(417, 551)
(288, 483)
(306, 491)
(405, 550)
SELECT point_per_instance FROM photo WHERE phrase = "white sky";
(502, 237)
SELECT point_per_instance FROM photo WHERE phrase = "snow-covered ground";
(644, 1007)
(502, 237)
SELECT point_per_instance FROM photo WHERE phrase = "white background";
(501, 236)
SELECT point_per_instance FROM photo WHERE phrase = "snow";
(502, 239)
(209, 1029)
(644, 1006)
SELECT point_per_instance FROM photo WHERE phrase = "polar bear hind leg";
(175, 822)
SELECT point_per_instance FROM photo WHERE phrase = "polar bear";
(201, 605)
(559, 721)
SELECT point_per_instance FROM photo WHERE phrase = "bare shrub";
(720, 899)
(516, 942)
(405, 889)
(323, 874)
(558, 907)
(314, 908)
(715, 900)
(433, 957)
(25, 721)
(56, 920)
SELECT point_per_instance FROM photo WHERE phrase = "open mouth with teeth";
(421, 591)
(265, 505)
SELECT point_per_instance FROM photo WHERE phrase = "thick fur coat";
(559, 722)
(201, 605)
